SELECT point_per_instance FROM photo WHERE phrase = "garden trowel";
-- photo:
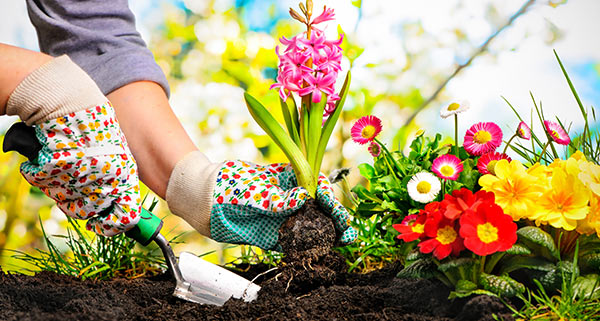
(196, 280)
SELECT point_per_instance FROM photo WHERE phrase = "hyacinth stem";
(508, 143)
(456, 135)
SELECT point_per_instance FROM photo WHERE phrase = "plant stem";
(443, 193)
(387, 152)
(456, 134)
(543, 151)
(482, 264)
(508, 143)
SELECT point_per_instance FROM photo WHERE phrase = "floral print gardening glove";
(84, 163)
(251, 202)
(86, 166)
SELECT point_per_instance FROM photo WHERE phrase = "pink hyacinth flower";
(482, 138)
(313, 45)
(447, 167)
(558, 134)
(365, 129)
(487, 162)
(523, 131)
(327, 15)
(316, 85)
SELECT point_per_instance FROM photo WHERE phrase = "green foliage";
(375, 245)
(577, 299)
(94, 257)
(503, 286)
(387, 186)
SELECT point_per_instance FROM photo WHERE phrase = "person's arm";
(17, 63)
(100, 36)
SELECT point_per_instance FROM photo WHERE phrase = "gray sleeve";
(99, 36)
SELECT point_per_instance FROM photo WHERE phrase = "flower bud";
(309, 7)
(302, 8)
(297, 16)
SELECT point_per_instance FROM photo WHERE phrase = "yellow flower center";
(555, 134)
(418, 228)
(487, 233)
(368, 131)
(423, 187)
(491, 167)
(482, 137)
(453, 106)
(446, 235)
(447, 170)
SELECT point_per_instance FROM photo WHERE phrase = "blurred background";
(408, 59)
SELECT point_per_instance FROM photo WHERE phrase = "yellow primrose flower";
(515, 190)
(60, 145)
(565, 203)
(591, 223)
(590, 176)
(542, 172)
(82, 127)
(61, 163)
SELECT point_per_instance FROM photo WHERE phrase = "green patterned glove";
(251, 202)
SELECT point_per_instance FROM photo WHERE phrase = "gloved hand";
(85, 164)
(250, 203)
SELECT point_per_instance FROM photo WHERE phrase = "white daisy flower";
(454, 108)
(423, 187)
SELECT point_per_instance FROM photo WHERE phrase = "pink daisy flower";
(523, 131)
(487, 162)
(365, 129)
(482, 138)
(558, 134)
(447, 167)
(374, 149)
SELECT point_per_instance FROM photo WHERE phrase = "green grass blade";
(266, 121)
(330, 123)
(583, 112)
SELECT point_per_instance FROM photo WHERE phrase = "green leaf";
(290, 115)
(367, 171)
(503, 285)
(364, 194)
(525, 262)
(538, 240)
(587, 287)
(422, 268)
(266, 121)
(591, 260)
(315, 123)
(518, 249)
(463, 262)
(331, 121)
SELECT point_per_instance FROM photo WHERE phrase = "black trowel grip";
(21, 138)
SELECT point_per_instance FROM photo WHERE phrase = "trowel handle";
(21, 138)
(147, 228)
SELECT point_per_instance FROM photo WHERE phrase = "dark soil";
(309, 285)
